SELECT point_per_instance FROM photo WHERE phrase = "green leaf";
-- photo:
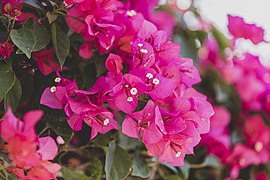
(51, 17)
(24, 39)
(140, 167)
(13, 96)
(58, 122)
(95, 168)
(41, 33)
(222, 40)
(60, 42)
(7, 79)
(71, 175)
(118, 164)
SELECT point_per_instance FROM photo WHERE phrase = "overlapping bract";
(250, 79)
(26, 150)
(154, 89)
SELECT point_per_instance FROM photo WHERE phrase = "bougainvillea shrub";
(111, 89)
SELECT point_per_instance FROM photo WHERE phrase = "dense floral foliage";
(122, 97)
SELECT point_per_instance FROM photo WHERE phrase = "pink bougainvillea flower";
(156, 86)
(45, 61)
(240, 158)
(25, 156)
(43, 171)
(240, 29)
(11, 126)
(86, 51)
(22, 134)
(103, 29)
(47, 148)
(257, 134)
(172, 148)
(101, 121)
(146, 124)
(5, 50)
(114, 63)
(217, 140)
(124, 96)
(57, 96)
(248, 73)
(12, 7)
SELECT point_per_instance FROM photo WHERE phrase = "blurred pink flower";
(45, 61)
(240, 29)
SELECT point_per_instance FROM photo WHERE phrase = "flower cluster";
(26, 150)
(250, 79)
(146, 79)
(5, 50)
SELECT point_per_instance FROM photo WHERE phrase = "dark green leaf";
(27, 87)
(140, 167)
(118, 164)
(41, 33)
(222, 40)
(128, 142)
(58, 122)
(185, 170)
(95, 168)
(60, 42)
(71, 175)
(188, 48)
(24, 39)
(51, 17)
(7, 79)
(13, 97)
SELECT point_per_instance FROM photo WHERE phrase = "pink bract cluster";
(26, 150)
(5, 50)
(251, 80)
(146, 79)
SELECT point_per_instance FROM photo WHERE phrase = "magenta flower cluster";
(251, 81)
(146, 79)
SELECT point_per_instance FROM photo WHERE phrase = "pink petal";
(49, 99)
(86, 51)
(47, 148)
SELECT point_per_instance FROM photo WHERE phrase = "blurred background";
(216, 11)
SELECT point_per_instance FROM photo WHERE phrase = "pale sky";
(253, 11)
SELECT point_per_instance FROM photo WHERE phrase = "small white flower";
(149, 75)
(131, 13)
(140, 44)
(258, 146)
(242, 161)
(106, 122)
(53, 89)
(129, 99)
(144, 51)
(58, 79)
(156, 81)
(133, 91)
(178, 154)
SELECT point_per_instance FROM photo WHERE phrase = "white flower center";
(53, 89)
(106, 122)
(131, 13)
(258, 146)
(133, 91)
(140, 44)
(242, 161)
(149, 75)
(178, 154)
(144, 51)
(129, 99)
(156, 81)
(58, 79)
